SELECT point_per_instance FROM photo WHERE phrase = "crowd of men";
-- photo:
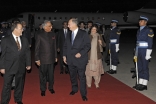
(72, 42)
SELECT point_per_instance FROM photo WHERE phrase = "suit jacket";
(26, 33)
(13, 60)
(81, 45)
(45, 47)
(107, 36)
(61, 39)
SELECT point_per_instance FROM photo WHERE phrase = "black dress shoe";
(142, 87)
(66, 72)
(108, 64)
(84, 98)
(42, 93)
(137, 86)
(112, 71)
(19, 102)
(13, 87)
(107, 61)
(72, 93)
(134, 75)
(61, 72)
(133, 70)
(52, 91)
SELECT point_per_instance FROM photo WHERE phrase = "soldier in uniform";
(143, 52)
(114, 46)
(2, 30)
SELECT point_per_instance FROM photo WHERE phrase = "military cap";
(143, 18)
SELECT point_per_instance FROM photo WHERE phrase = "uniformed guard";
(114, 47)
(143, 49)
(2, 30)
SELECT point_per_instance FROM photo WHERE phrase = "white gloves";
(117, 47)
(148, 53)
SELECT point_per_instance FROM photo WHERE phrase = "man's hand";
(2, 71)
(78, 55)
(56, 60)
(28, 67)
(58, 50)
(64, 59)
(38, 63)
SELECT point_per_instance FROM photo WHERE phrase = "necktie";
(18, 45)
(72, 37)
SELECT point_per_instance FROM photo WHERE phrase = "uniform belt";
(142, 44)
(113, 41)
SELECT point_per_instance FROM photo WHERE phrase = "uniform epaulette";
(151, 34)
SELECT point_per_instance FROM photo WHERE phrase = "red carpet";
(111, 91)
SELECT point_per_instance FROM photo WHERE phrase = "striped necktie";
(18, 45)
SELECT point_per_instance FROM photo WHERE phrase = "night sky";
(12, 8)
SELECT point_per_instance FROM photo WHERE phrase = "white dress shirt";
(65, 31)
(75, 32)
(19, 39)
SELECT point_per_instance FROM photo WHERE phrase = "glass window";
(55, 18)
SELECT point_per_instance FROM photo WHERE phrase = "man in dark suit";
(46, 56)
(107, 41)
(26, 32)
(14, 61)
(61, 39)
(75, 54)
(8, 33)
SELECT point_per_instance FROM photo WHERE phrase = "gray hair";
(75, 20)
(45, 22)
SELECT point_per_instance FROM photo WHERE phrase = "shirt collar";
(75, 31)
(113, 27)
(141, 27)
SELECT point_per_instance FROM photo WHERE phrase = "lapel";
(21, 43)
(63, 34)
(76, 37)
(15, 48)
